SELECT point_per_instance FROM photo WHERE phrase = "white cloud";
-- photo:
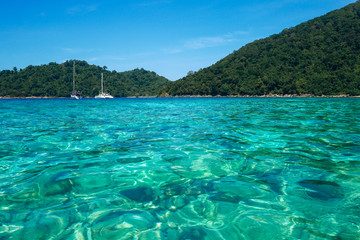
(153, 3)
(106, 58)
(206, 42)
(172, 50)
(77, 50)
(81, 9)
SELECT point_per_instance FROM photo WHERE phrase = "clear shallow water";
(244, 168)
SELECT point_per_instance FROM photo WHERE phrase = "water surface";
(189, 168)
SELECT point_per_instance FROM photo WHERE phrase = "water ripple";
(194, 168)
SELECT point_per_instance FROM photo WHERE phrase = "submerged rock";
(44, 227)
(133, 160)
(225, 197)
(140, 194)
(193, 233)
(322, 190)
(117, 224)
(58, 187)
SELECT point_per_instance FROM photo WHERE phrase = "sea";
(180, 168)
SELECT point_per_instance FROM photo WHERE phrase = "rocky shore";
(32, 97)
(218, 96)
(264, 96)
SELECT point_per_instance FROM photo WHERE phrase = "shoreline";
(209, 96)
(263, 96)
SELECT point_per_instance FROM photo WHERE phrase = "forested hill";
(321, 56)
(55, 80)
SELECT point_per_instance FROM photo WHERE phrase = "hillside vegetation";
(55, 80)
(321, 56)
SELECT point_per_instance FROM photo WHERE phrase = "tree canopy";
(55, 80)
(319, 57)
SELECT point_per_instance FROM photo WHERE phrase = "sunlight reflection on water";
(219, 168)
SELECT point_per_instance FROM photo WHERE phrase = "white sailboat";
(102, 94)
(75, 94)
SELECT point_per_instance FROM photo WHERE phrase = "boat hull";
(103, 96)
(75, 97)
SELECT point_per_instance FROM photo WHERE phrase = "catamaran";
(102, 94)
(75, 94)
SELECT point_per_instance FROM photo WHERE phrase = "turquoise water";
(189, 168)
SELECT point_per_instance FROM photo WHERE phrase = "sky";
(169, 37)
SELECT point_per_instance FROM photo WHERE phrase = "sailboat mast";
(73, 76)
(102, 83)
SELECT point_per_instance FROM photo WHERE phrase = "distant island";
(55, 80)
(320, 57)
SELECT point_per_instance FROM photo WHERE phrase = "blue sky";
(169, 37)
